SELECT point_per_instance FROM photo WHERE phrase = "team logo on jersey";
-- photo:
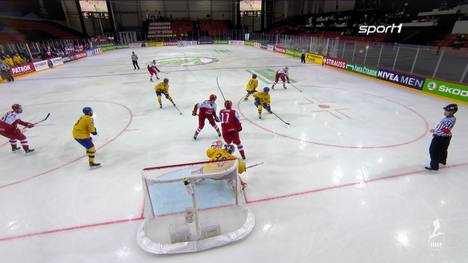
(186, 61)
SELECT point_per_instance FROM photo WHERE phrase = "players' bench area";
(33, 67)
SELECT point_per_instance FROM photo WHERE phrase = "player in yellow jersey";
(163, 88)
(81, 132)
(251, 87)
(262, 100)
(217, 153)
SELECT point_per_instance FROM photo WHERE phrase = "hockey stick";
(287, 123)
(219, 87)
(254, 165)
(35, 123)
(177, 109)
(43, 120)
(294, 86)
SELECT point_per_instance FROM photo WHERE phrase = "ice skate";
(94, 165)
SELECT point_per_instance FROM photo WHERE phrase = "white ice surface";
(315, 198)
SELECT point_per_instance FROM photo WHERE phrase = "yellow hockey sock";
(91, 152)
(259, 107)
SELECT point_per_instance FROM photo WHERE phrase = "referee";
(442, 135)
(135, 61)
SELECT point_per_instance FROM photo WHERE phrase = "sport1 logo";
(365, 29)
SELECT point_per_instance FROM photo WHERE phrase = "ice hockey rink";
(345, 182)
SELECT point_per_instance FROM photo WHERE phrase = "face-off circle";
(366, 121)
(186, 61)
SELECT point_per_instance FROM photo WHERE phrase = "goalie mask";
(218, 144)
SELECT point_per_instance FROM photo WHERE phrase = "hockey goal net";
(193, 207)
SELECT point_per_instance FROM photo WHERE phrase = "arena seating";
(453, 40)
(182, 28)
(160, 30)
(34, 30)
(214, 27)
(427, 28)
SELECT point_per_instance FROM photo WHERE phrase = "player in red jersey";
(153, 70)
(231, 126)
(282, 75)
(206, 110)
(9, 128)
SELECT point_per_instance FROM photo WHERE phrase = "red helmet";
(228, 104)
(213, 97)
(17, 108)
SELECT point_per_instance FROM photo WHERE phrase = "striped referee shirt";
(445, 126)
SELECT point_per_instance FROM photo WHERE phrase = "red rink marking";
(106, 223)
(345, 146)
(324, 106)
(81, 157)
(411, 173)
(267, 199)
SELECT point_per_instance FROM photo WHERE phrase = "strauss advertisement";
(335, 62)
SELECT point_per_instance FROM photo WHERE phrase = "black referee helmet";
(451, 107)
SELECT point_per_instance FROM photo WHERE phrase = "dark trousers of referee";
(135, 64)
(438, 150)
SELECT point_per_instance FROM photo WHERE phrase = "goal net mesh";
(193, 207)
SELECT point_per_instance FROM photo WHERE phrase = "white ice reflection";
(436, 238)
(122, 253)
(402, 238)
(337, 175)
(266, 227)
